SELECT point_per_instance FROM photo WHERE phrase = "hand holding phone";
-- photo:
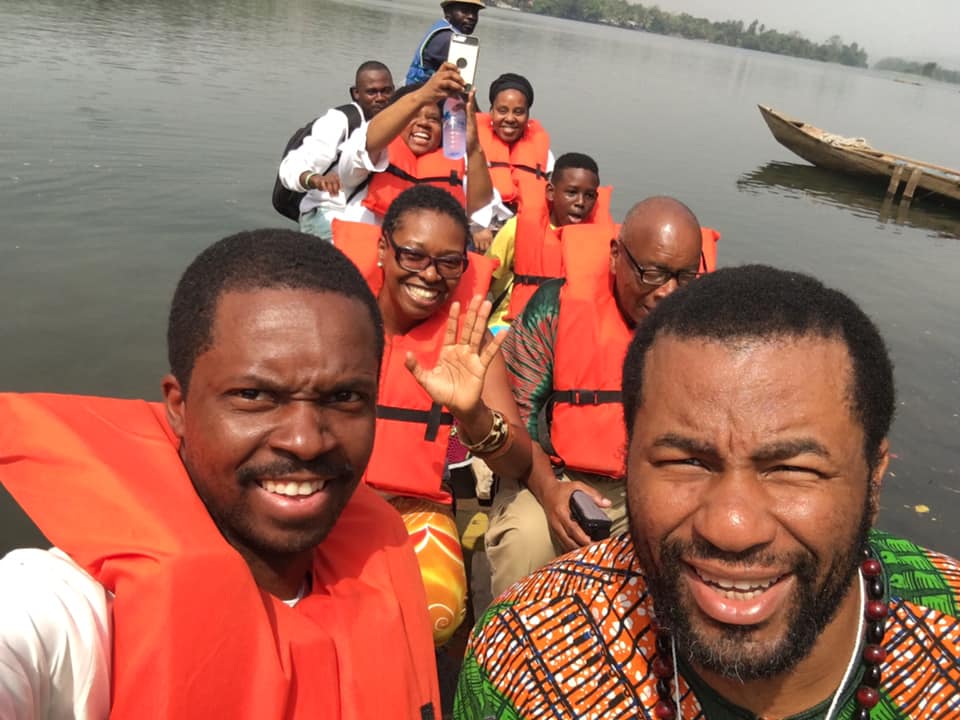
(464, 52)
(589, 516)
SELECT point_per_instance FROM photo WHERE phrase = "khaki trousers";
(518, 539)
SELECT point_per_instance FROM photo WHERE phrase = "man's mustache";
(321, 467)
(701, 549)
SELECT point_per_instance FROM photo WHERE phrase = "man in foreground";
(459, 16)
(218, 547)
(572, 336)
(311, 167)
(757, 405)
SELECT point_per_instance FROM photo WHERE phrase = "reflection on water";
(860, 196)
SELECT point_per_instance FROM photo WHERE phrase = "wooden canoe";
(854, 156)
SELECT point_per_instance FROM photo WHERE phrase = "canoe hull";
(813, 145)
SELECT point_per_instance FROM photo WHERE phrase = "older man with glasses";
(564, 358)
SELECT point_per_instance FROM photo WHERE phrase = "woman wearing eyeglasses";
(440, 369)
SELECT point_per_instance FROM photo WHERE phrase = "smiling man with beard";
(215, 554)
(751, 583)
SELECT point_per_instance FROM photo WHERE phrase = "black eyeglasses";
(449, 267)
(655, 276)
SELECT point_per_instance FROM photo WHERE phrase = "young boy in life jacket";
(571, 198)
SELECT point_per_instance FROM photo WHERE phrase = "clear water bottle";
(454, 128)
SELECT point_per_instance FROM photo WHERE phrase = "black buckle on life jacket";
(454, 178)
(589, 397)
(569, 397)
(434, 418)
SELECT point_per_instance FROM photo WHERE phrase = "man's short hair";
(255, 260)
(426, 197)
(371, 65)
(576, 161)
(758, 302)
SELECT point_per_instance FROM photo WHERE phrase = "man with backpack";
(307, 188)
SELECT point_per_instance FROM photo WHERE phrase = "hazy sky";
(908, 28)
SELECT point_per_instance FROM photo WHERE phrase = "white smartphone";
(464, 51)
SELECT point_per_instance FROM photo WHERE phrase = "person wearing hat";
(459, 16)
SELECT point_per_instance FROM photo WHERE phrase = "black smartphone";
(589, 516)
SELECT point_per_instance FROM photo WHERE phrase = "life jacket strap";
(536, 280)
(454, 180)
(569, 397)
(587, 397)
(537, 171)
(433, 418)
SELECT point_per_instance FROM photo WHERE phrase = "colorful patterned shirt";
(574, 641)
(528, 352)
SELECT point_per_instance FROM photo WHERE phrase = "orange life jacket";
(708, 249)
(582, 422)
(406, 170)
(409, 451)
(518, 170)
(193, 636)
(581, 425)
(537, 254)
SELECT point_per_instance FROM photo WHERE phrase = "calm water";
(133, 133)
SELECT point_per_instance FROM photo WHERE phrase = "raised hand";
(446, 81)
(482, 239)
(456, 380)
(473, 138)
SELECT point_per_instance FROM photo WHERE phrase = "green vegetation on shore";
(926, 69)
(652, 19)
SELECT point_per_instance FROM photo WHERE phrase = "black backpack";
(287, 202)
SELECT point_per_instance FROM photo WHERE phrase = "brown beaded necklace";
(868, 694)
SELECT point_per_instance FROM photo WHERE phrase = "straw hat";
(462, 2)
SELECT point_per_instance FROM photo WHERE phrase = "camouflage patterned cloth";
(574, 640)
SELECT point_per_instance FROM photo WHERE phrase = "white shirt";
(54, 639)
(316, 154)
(356, 164)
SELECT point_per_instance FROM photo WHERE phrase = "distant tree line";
(927, 69)
(755, 36)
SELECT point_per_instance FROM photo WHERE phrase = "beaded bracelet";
(500, 451)
(495, 439)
